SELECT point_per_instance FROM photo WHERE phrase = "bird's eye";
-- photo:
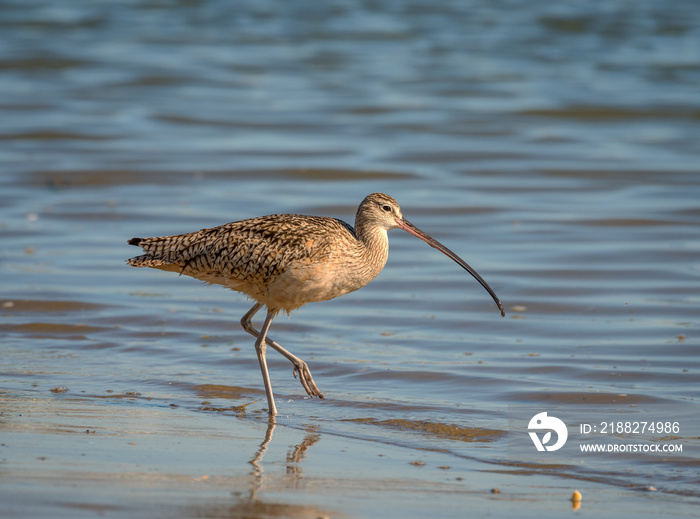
(386, 208)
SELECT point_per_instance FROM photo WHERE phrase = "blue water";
(552, 146)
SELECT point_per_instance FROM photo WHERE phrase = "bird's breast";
(310, 281)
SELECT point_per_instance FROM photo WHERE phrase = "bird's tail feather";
(172, 253)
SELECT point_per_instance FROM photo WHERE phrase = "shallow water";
(553, 147)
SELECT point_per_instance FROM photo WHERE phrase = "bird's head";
(380, 210)
(383, 211)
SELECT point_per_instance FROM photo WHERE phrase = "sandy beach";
(552, 146)
(80, 456)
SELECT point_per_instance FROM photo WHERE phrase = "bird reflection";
(255, 462)
(295, 456)
(298, 453)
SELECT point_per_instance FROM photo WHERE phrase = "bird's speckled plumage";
(284, 261)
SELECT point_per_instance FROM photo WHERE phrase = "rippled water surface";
(554, 146)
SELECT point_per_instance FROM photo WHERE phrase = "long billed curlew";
(284, 261)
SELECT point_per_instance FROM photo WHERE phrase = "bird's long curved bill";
(415, 231)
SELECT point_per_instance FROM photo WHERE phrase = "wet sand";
(70, 456)
(553, 147)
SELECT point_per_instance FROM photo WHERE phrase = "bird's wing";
(256, 247)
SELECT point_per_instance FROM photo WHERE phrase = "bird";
(283, 261)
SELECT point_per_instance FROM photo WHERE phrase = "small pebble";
(576, 496)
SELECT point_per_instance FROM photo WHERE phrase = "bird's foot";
(306, 379)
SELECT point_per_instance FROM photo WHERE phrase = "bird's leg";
(300, 366)
(246, 319)
(260, 347)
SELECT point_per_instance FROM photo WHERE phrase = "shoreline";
(70, 457)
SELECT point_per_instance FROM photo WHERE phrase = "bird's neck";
(374, 244)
